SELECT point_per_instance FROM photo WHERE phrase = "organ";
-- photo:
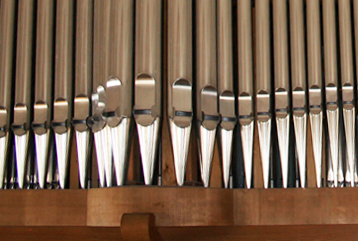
(207, 93)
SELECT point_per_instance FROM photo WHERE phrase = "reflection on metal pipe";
(23, 84)
(119, 84)
(148, 81)
(298, 84)
(7, 31)
(280, 31)
(180, 77)
(263, 82)
(63, 100)
(98, 122)
(314, 83)
(83, 84)
(206, 88)
(245, 86)
(331, 77)
(43, 86)
(225, 85)
(347, 80)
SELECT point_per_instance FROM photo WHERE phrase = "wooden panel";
(246, 233)
(185, 206)
(43, 208)
(59, 233)
(259, 233)
(296, 206)
(179, 207)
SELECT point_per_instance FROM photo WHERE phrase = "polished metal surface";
(62, 143)
(83, 84)
(180, 138)
(103, 153)
(332, 120)
(347, 83)
(106, 145)
(119, 85)
(23, 84)
(120, 77)
(331, 83)
(349, 126)
(300, 125)
(7, 31)
(314, 69)
(119, 139)
(206, 84)
(148, 142)
(82, 140)
(104, 156)
(226, 146)
(298, 83)
(316, 130)
(247, 134)
(43, 86)
(206, 146)
(225, 84)
(89, 69)
(148, 81)
(283, 127)
(21, 150)
(101, 63)
(42, 146)
(63, 99)
(180, 77)
(281, 83)
(3, 153)
(99, 129)
(263, 83)
(245, 85)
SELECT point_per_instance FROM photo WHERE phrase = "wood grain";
(237, 233)
(172, 206)
(308, 206)
(139, 227)
(259, 233)
(180, 206)
(216, 171)
(33, 233)
(43, 208)
(168, 170)
(257, 164)
(311, 170)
